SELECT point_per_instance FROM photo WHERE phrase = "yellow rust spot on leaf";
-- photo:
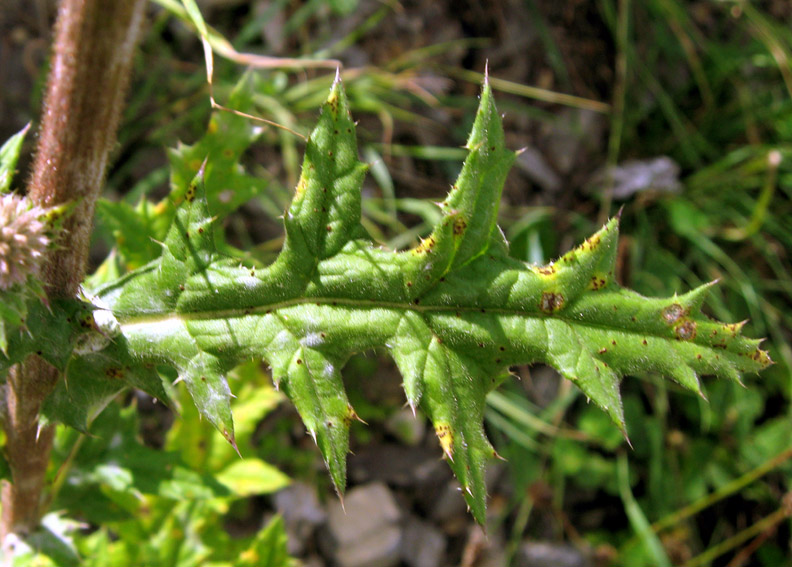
(425, 246)
(598, 281)
(760, 356)
(332, 102)
(446, 438)
(87, 321)
(590, 243)
(351, 416)
(300, 186)
(547, 271)
(459, 226)
(570, 257)
(191, 192)
(734, 329)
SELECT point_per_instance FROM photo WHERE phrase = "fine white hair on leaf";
(312, 340)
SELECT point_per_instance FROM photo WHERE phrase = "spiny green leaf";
(325, 212)
(136, 229)
(53, 331)
(9, 155)
(227, 138)
(13, 311)
(476, 196)
(139, 228)
(455, 312)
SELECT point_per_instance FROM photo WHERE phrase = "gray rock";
(298, 503)
(380, 548)
(423, 545)
(484, 550)
(542, 385)
(302, 513)
(408, 428)
(365, 509)
(575, 132)
(365, 532)
(397, 465)
(450, 507)
(531, 162)
(546, 554)
(634, 176)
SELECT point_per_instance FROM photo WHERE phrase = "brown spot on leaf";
(672, 313)
(551, 302)
(459, 226)
(686, 331)
(549, 270)
(734, 328)
(597, 282)
(114, 373)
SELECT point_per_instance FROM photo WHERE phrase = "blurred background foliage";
(679, 112)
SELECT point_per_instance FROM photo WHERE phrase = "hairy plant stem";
(90, 68)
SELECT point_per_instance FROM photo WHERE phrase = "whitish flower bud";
(23, 239)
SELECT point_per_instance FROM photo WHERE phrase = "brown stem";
(27, 448)
(90, 68)
(94, 44)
